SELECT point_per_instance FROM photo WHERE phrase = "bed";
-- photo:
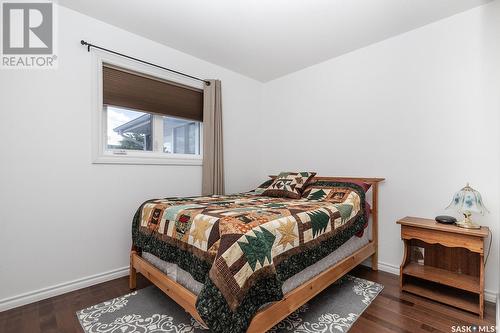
(244, 262)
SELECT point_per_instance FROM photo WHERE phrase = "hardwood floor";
(391, 311)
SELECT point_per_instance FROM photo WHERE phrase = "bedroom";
(405, 91)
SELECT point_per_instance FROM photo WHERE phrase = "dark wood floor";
(391, 311)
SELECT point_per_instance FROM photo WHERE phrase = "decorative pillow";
(289, 184)
(262, 187)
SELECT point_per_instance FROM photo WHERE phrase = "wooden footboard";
(266, 318)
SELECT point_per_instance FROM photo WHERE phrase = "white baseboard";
(40, 294)
(388, 268)
(489, 295)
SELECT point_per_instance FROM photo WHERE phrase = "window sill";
(146, 160)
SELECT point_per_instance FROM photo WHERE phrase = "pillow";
(336, 192)
(332, 191)
(321, 183)
(363, 185)
(317, 193)
(262, 187)
(327, 193)
(289, 184)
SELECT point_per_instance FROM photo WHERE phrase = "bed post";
(132, 280)
(375, 225)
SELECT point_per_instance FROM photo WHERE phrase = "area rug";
(148, 310)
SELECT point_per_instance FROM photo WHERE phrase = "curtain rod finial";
(85, 43)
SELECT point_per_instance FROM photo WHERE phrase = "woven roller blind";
(135, 91)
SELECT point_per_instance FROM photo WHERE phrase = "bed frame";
(266, 318)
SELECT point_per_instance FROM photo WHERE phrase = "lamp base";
(468, 225)
(467, 222)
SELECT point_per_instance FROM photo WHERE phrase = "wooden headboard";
(374, 182)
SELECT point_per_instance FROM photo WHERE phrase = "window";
(131, 130)
(128, 130)
(181, 136)
(144, 117)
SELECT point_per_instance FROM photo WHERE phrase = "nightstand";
(443, 262)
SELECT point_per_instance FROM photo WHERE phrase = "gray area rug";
(150, 311)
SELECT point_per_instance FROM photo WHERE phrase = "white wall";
(492, 85)
(493, 82)
(421, 109)
(63, 218)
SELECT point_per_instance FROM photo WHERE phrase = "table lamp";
(468, 201)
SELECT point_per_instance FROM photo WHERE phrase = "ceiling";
(266, 39)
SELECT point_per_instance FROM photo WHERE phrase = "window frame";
(100, 153)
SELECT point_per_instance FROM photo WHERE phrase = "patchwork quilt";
(243, 246)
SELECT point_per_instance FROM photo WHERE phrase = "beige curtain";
(213, 156)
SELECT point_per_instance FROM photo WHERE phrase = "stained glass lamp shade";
(468, 201)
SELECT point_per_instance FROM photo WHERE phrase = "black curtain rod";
(89, 45)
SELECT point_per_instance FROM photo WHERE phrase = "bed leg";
(132, 281)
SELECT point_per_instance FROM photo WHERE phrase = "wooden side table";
(443, 262)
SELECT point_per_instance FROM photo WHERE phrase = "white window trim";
(100, 155)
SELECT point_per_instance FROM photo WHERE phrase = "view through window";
(134, 130)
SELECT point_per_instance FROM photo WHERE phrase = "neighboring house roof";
(140, 125)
